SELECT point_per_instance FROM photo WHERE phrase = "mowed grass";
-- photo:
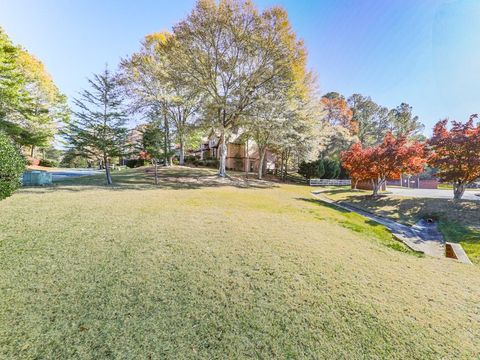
(459, 221)
(195, 270)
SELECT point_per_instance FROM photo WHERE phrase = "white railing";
(329, 182)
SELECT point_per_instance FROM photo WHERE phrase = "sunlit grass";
(459, 221)
(195, 270)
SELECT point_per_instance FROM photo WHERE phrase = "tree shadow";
(324, 204)
(176, 178)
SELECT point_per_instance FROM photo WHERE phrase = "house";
(242, 152)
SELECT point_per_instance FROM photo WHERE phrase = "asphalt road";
(67, 173)
(433, 193)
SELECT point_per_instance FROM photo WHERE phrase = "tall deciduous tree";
(456, 153)
(298, 135)
(371, 120)
(337, 129)
(11, 79)
(402, 121)
(97, 127)
(149, 76)
(31, 105)
(145, 77)
(232, 54)
(13, 95)
(265, 123)
(47, 106)
(337, 112)
(394, 156)
(272, 117)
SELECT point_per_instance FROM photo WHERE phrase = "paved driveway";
(61, 174)
(433, 193)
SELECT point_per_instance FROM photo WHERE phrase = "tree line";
(225, 68)
(454, 153)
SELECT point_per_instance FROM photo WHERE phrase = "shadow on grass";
(324, 204)
(176, 178)
(458, 220)
(411, 210)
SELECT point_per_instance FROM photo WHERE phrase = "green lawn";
(200, 268)
(459, 221)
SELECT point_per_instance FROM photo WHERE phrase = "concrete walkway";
(423, 237)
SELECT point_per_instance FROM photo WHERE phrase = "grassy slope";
(459, 221)
(188, 271)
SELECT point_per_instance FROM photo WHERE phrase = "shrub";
(190, 159)
(133, 163)
(332, 169)
(212, 163)
(343, 173)
(48, 163)
(12, 165)
(312, 169)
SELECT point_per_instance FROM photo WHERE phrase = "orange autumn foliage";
(394, 156)
(338, 113)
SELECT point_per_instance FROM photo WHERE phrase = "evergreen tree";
(97, 128)
(332, 168)
(313, 169)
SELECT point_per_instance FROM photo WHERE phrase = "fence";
(329, 182)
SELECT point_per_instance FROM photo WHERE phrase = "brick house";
(242, 152)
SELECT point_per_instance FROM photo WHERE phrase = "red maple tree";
(456, 153)
(353, 161)
(393, 157)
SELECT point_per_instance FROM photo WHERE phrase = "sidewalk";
(422, 237)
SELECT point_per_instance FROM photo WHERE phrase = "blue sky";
(423, 52)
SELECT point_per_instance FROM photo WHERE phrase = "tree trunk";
(287, 156)
(107, 170)
(182, 150)
(32, 151)
(281, 165)
(166, 145)
(260, 165)
(377, 186)
(458, 190)
(247, 160)
(156, 172)
(223, 155)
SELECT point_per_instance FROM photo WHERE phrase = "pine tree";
(97, 128)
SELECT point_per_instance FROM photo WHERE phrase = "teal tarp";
(36, 178)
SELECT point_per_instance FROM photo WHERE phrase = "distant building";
(242, 152)
(420, 181)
